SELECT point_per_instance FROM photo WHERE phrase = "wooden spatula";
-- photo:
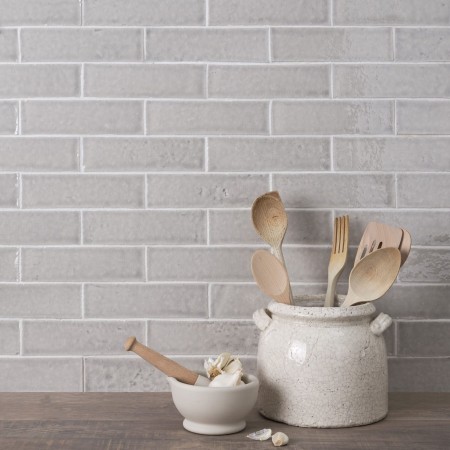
(376, 236)
(165, 365)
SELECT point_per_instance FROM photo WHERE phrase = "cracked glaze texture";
(321, 367)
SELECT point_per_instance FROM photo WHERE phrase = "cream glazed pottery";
(215, 410)
(322, 367)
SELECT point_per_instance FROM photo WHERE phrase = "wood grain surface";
(138, 421)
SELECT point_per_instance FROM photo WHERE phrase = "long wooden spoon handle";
(279, 254)
(166, 365)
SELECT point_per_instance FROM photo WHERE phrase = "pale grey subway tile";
(414, 154)
(236, 301)
(43, 80)
(9, 50)
(205, 190)
(138, 154)
(144, 12)
(9, 337)
(26, 154)
(268, 81)
(392, 80)
(9, 190)
(83, 191)
(129, 301)
(40, 301)
(199, 264)
(422, 44)
(207, 117)
(82, 117)
(131, 374)
(391, 12)
(423, 117)
(203, 337)
(144, 227)
(83, 264)
(416, 301)
(240, 301)
(269, 154)
(332, 44)
(424, 190)
(9, 114)
(333, 117)
(40, 12)
(144, 80)
(419, 374)
(207, 44)
(424, 338)
(333, 190)
(39, 228)
(236, 227)
(77, 337)
(427, 265)
(426, 227)
(9, 261)
(41, 375)
(268, 12)
(309, 265)
(81, 44)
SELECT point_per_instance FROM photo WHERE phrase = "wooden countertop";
(138, 421)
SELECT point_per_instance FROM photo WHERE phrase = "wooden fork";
(338, 258)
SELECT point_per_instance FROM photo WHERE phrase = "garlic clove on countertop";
(279, 439)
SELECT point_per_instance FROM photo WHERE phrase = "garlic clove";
(225, 362)
(261, 435)
(227, 380)
(279, 439)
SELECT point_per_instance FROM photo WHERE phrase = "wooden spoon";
(376, 236)
(405, 245)
(373, 276)
(271, 276)
(270, 222)
(165, 365)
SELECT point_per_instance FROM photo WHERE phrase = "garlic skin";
(279, 439)
(227, 380)
(225, 363)
(261, 435)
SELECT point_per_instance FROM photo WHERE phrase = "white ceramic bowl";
(214, 411)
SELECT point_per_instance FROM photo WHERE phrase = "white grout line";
(269, 42)
(81, 155)
(19, 44)
(207, 13)
(331, 9)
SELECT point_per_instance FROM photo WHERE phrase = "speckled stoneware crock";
(322, 367)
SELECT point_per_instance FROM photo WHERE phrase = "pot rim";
(308, 307)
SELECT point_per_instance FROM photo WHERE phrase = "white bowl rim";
(253, 382)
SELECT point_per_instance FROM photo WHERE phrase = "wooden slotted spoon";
(376, 236)
(270, 222)
(373, 276)
(271, 276)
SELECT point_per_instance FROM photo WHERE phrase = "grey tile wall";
(135, 135)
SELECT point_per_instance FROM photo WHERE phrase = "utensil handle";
(279, 254)
(331, 289)
(352, 299)
(262, 319)
(380, 324)
(165, 365)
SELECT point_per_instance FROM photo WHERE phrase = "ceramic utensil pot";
(322, 367)
(214, 410)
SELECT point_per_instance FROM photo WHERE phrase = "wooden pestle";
(165, 365)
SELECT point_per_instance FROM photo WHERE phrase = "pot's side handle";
(262, 319)
(380, 324)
